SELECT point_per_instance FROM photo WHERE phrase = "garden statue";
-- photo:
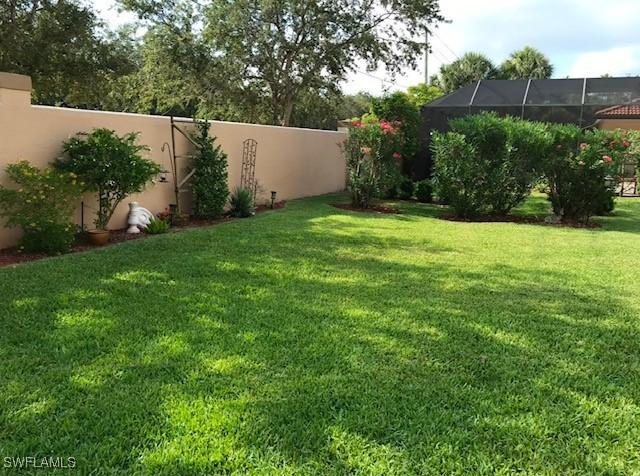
(139, 217)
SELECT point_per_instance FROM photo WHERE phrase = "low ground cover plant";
(158, 226)
(42, 206)
(110, 165)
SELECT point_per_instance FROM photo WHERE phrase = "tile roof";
(624, 111)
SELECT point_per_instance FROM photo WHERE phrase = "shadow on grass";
(306, 344)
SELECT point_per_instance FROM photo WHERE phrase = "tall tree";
(281, 49)
(65, 49)
(471, 67)
(527, 63)
(422, 93)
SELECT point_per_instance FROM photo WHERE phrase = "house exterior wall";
(612, 124)
(293, 162)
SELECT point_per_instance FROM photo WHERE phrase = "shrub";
(580, 170)
(110, 165)
(398, 108)
(454, 180)
(209, 182)
(241, 202)
(157, 226)
(496, 174)
(424, 191)
(42, 206)
(372, 155)
(406, 188)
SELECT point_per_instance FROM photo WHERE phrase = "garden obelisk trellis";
(247, 177)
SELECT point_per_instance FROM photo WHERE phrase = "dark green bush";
(454, 180)
(209, 182)
(157, 226)
(49, 238)
(241, 202)
(110, 165)
(424, 191)
(496, 174)
(405, 188)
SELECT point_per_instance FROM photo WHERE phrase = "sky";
(580, 37)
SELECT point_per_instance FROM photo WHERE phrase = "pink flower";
(387, 128)
(584, 146)
(366, 150)
(397, 155)
(626, 144)
(357, 124)
(606, 159)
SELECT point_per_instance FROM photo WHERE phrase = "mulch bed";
(530, 219)
(376, 209)
(12, 256)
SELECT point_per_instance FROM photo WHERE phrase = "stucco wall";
(293, 162)
(611, 124)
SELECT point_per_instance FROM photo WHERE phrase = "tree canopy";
(471, 67)
(527, 63)
(423, 93)
(70, 56)
(273, 52)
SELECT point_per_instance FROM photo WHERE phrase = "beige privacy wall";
(293, 162)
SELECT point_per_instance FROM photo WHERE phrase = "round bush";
(424, 191)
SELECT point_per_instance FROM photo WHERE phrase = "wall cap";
(15, 81)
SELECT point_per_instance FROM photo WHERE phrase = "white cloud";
(581, 37)
(621, 61)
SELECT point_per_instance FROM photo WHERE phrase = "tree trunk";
(287, 111)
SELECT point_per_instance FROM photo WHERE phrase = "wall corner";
(15, 90)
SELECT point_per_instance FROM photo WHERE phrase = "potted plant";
(111, 166)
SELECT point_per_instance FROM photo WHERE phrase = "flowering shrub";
(399, 109)
(373, 159)
(581, 170)
(42, 206)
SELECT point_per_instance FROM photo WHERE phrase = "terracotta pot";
(98, 237)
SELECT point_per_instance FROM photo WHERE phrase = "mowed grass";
(312, 340)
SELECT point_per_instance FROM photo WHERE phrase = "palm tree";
(471, 68)
(527, 63)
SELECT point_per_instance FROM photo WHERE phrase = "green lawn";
(315, 340)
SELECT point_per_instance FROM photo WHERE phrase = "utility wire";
(445, 45)
(382, 79)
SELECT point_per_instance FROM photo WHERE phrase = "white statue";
(139, 218)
